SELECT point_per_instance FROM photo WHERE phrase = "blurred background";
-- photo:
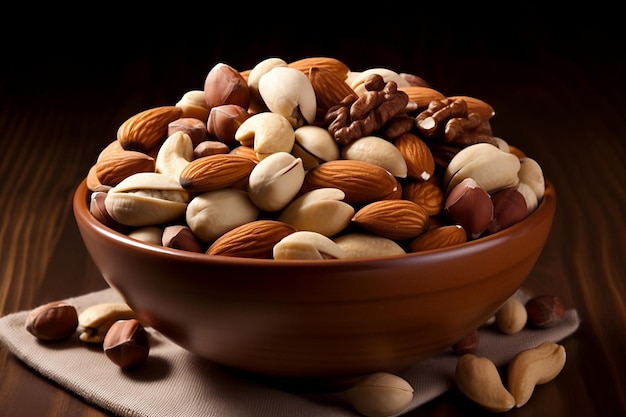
(165, 52)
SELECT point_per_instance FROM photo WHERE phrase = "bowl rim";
(546, 207)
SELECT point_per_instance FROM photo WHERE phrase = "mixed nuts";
(479, 379)
(374, 160)
(310, 160)
(114, 326)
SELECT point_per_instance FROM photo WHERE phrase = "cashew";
(146, 199)
(530, 173)
(491, 167)
(380, 394)
(174, 155)
(533, 367)
(288, 92)
(97, 319)
(529, 196)
(377, 151)
(320, 210)
(256, 102)
(275, 181)
(314, 145)
(478, 379)
(357, 80)
(511, 317)
(307, 245)
(267, 133)
(502, 144)
(213, 213)
(364, 245)
(194, 105)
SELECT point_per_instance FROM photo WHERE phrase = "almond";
(419, 159)
(245, 151)
(426, 194)
(329, 88)
(112, 148)
(331, 64)
(421, 96)
(393, 219)
(439, 237)
(255, 239)
(362, 182)
(113, 164)
(93, 183)
(146, 130)
(215, 172)
(476, 105)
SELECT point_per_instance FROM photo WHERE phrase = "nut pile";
(311, 160)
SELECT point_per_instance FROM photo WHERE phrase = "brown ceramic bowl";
(317, 319)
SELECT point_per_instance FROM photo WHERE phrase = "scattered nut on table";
(532, 367)
(467, 344)
(381, 394)
(545, 310)
(478, 379)
(511, 317)
(95, 321)
(126, 343)
(52, 321)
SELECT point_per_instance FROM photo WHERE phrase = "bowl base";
(301, 385)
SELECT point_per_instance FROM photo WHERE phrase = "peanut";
(512, 316)
(381, 394)
(533, 367)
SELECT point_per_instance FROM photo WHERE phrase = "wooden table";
(558, 95)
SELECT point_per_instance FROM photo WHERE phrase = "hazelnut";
(195, 128)
(126, 343)
(224, 121)
(545, 310)
(467, 344)
(225, 85)
(509, 207)
(210, 147)
(181, 237)
(98, 210)
(469, 205)
(52, 321)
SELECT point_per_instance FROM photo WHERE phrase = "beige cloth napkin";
(175, 383)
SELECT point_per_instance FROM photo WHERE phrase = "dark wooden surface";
(557, 84)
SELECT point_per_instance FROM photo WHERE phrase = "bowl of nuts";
(305, 221)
